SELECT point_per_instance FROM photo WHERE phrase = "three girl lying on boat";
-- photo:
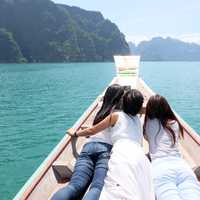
(112, 163)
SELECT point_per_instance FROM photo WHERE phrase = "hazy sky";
(143, 19)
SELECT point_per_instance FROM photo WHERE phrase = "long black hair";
(158, 108)
(111, 98)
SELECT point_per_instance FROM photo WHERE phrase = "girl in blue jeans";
(92, 164)
(173, 177)
(129, 171)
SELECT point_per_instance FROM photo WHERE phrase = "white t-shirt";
(160, 141)
(103, 136)
(126, 127)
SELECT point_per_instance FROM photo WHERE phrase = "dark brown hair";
(158, 108)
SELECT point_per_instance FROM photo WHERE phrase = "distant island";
(42, 31)
(166, 49)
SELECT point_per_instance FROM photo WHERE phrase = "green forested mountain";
(10, 51)
(42, 31)
(168, 49)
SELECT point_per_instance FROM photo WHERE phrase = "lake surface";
(38, 102)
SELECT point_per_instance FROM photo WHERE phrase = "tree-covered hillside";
(168, 49)
(10, 51)
(42, 31)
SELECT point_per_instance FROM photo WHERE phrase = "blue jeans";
(91, 167)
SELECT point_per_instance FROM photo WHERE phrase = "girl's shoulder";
(152, 126)
(154, 121)
(122, 116)
(118, 116)
(114, 118)
(118, 113)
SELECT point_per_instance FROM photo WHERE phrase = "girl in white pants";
(173, 178)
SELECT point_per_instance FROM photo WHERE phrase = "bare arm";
(107, 122)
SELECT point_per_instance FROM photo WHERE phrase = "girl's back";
(160, 142)
(126, 127)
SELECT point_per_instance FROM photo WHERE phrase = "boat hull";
(55, 171)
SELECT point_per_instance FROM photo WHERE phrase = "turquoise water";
(39, 101)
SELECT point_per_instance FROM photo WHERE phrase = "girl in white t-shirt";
(129, 171)
(173, 178)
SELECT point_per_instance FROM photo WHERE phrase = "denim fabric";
(174, 180)
(91, 167)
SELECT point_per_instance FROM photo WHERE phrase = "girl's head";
(111, 98)
(158, 108)
(113, 94)
(132, 102)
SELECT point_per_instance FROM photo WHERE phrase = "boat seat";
(62, 171)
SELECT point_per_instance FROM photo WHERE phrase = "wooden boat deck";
(56, 170)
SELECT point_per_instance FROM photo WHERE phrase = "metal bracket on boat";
(61, 171)
(197, 172)
(74, 149)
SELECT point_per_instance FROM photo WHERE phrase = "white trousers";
(129, 175)
(174, 180)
